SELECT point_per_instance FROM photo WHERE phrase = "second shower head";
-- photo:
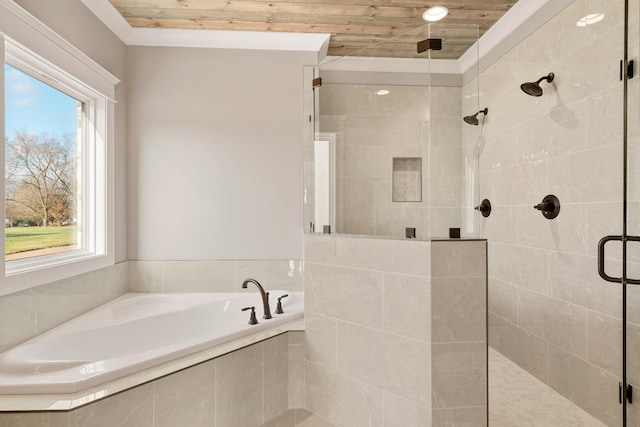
(533, 88)
(473, 119)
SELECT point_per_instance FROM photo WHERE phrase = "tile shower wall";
(33, 311)
(371, 130)
(385, 342)
(549, 310)
(244, 388)
(459, 333)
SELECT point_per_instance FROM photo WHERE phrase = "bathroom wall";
(549, 310)
(395, 331)
(215, 153)
(244, 388)
(371, 130)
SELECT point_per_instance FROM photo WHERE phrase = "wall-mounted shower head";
(533, 88)
(473, 119)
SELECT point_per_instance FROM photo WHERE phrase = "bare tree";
(41, 175)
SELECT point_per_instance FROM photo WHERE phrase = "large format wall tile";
(458, 309)
(239, 385)
(296, 370)
(345, 293)
(585, 385)
(341, 400)
(132, 408)
(372, 313)
(458, 259)
(39, 309)
(406, 306)
(542, 316)
(213, 275)
(186, 397)
(30, 419)
(524, 348)
(459, 375)
(389, 255)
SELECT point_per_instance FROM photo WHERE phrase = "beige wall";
(370, 130)
(215, 149)
(549, 310)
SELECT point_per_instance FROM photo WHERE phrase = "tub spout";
(263, 294)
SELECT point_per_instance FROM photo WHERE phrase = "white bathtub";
(134, 333)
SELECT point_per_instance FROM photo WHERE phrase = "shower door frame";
(625, 391)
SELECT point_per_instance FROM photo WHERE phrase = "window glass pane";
(43, 127)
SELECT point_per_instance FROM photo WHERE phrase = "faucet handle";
(279, 307)
(252, 320)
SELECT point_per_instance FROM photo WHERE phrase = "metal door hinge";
(317, 82)
(629, 70)
(629, 394)
(429, 44)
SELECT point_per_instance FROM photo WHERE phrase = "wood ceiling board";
(374, 20)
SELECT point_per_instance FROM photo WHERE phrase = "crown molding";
(220, 39)
(519, 22)
(14, 20)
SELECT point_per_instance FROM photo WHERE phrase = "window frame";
(79, 77)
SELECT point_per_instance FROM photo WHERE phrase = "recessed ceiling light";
(590, 19)
(435, 13)
(382, 92)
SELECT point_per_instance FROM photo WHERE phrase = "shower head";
(473, 119)
(533, 88)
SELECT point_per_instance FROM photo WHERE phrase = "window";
(56, 190)
(43, 145)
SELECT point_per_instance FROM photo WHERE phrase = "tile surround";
(374, 314)
(213, 276)
(39, 309)
(246, 387)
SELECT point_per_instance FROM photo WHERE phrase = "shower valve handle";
(550, 206)
(544, 206)
(484, 208)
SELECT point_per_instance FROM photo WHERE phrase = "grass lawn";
(22, 239)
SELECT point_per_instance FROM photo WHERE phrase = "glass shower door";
(619, 254)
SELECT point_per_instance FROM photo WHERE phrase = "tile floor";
(516, 399)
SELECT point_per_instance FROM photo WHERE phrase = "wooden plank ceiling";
(384, 28)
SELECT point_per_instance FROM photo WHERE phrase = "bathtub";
(137, 333)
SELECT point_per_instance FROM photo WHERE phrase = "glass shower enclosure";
(389, 154)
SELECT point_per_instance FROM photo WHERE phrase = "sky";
(36, 107)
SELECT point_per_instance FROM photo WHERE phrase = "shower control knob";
(550, 206)
(484, 208)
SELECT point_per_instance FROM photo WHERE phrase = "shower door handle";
(601, 258)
